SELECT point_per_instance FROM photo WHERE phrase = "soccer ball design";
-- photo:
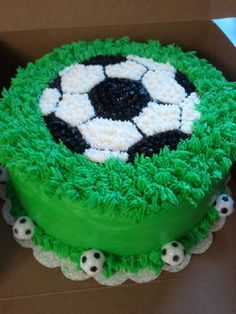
(23, 228)
(224, 204)
(92, 262)
(173, 253)
(116, 106)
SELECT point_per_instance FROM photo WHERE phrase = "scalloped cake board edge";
(70, 271)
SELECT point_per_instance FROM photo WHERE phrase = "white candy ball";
(173, 253)
(224, 204)
(23, 228)
(3, 175)
(92, 262)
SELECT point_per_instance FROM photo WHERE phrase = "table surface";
(207, 285)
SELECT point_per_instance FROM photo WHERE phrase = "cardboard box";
(28, 30)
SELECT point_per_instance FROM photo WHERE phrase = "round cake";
(117, 154)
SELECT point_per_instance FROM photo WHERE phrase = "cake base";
(70, 270)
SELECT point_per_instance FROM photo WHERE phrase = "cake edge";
(117, 270)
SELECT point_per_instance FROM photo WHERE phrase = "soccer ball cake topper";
(116, 106)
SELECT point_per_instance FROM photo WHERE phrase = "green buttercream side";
(114, 263)
(136, 191)
(71, 223)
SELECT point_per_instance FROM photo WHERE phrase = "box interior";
(28, 30)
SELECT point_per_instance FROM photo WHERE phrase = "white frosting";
(163, 87)
(128, 70)
(157, 118)
(112, 135)
(192, 99)
(49, 100)
(203, 245)
(75, 109)
(189, 112)
(167, 68)
(187, 127)
(100, 156)
(79, 78)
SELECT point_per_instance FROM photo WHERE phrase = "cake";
(117, 154)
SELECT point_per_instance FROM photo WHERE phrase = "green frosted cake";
(117, 154)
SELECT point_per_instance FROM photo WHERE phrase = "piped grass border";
(134, 190)
(114, 263)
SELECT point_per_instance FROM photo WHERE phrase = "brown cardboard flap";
(222, 8)
(45, 14)
(19, 47)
